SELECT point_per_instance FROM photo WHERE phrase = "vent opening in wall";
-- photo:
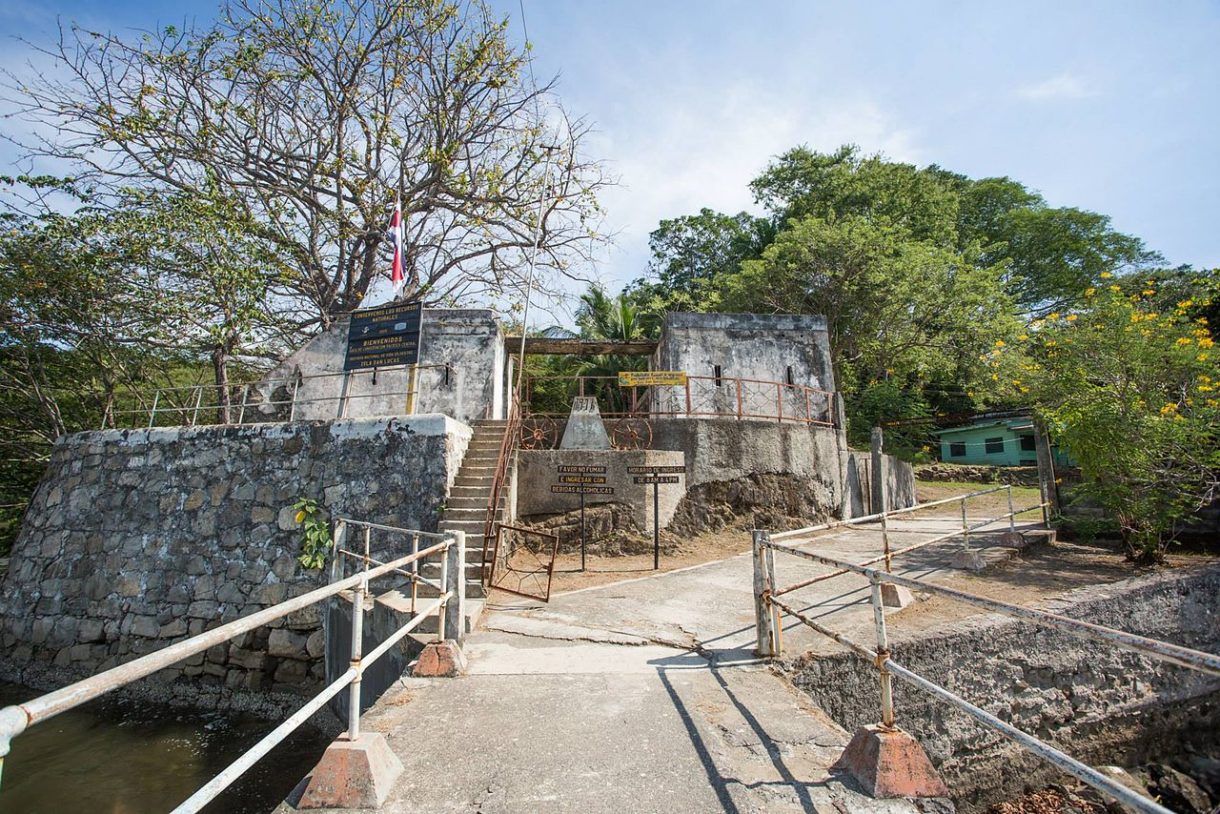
(716, 374)
(791, 381)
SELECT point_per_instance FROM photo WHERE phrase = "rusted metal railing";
(700, 397)
(769, 611)
(16, 719)
(264, 401)
(504, 460)
(888, 554)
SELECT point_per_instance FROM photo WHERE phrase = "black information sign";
(384, 337)
(656, 470)
(655, 479)
(581, 489)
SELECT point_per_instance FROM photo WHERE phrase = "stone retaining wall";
(139, 538)
(1094, 701)
(979, 473)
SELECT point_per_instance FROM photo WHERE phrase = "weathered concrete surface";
(899, 484)
(139, 538)
(470, 341)
(888, 762)
(537, 470)
(548, 725)
(352, 774)
(585, 429)
(639, 696)
(763, 347)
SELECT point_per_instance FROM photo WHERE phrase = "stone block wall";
(1098, 703)
(139, 538)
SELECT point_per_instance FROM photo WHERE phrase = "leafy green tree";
(1133, 393)
(220, 287)
(692, 254)
(309, 118)
(897, 309)
(803, 182)
(1050, 254)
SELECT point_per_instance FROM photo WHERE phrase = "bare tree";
(314, 116)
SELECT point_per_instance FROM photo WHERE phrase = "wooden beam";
(580, 347)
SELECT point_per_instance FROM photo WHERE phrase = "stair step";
(478, 503)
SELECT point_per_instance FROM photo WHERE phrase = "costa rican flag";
(396, 276)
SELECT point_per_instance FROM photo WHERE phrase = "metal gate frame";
(499, 557)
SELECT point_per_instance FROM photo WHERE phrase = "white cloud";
(1063, 86)
(702, 147)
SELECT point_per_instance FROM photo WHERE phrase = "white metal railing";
(769, 610)
(264, 401)
(16, 719)
(882, 518)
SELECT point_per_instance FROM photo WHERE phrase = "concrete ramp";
(566, 723)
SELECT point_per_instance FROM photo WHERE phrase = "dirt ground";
(1039, 572)
(715, 545)
(989, 505)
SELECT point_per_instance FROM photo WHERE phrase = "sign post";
(589, 479)
(656, 476)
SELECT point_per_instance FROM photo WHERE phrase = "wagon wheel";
(538, 433)
(631, 433)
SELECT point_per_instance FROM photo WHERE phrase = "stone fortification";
(136, 539)
(462, 375)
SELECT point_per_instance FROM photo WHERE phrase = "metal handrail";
(16, 719)
(508, 447)
(686, 406)
(239, 398)
(769, 628)
(888, 555)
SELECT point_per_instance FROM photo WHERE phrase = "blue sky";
(1110, 106)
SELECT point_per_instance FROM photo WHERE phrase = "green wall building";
(994, 442)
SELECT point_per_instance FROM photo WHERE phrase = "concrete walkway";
(640, 696)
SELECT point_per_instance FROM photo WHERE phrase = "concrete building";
(754, 430)
(998, 441)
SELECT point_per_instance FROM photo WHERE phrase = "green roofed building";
(1006, 441)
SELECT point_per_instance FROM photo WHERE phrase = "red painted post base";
(890, 763)
(440, 660)
(352, 774)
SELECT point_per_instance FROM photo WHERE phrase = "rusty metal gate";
(523, 561)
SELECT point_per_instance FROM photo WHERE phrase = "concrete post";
(455, 614)
(878, 500)
(838, 412)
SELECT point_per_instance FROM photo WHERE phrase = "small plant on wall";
(316, 533)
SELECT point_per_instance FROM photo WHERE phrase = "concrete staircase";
(465, 510)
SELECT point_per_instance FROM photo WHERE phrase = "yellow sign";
(648, 378)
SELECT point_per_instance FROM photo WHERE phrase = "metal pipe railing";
(192, 403)
(1182, 656)
(886, 666)
(15, 719)
(868, 518)
(889, 555)
(770, 640)
(749, 398)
